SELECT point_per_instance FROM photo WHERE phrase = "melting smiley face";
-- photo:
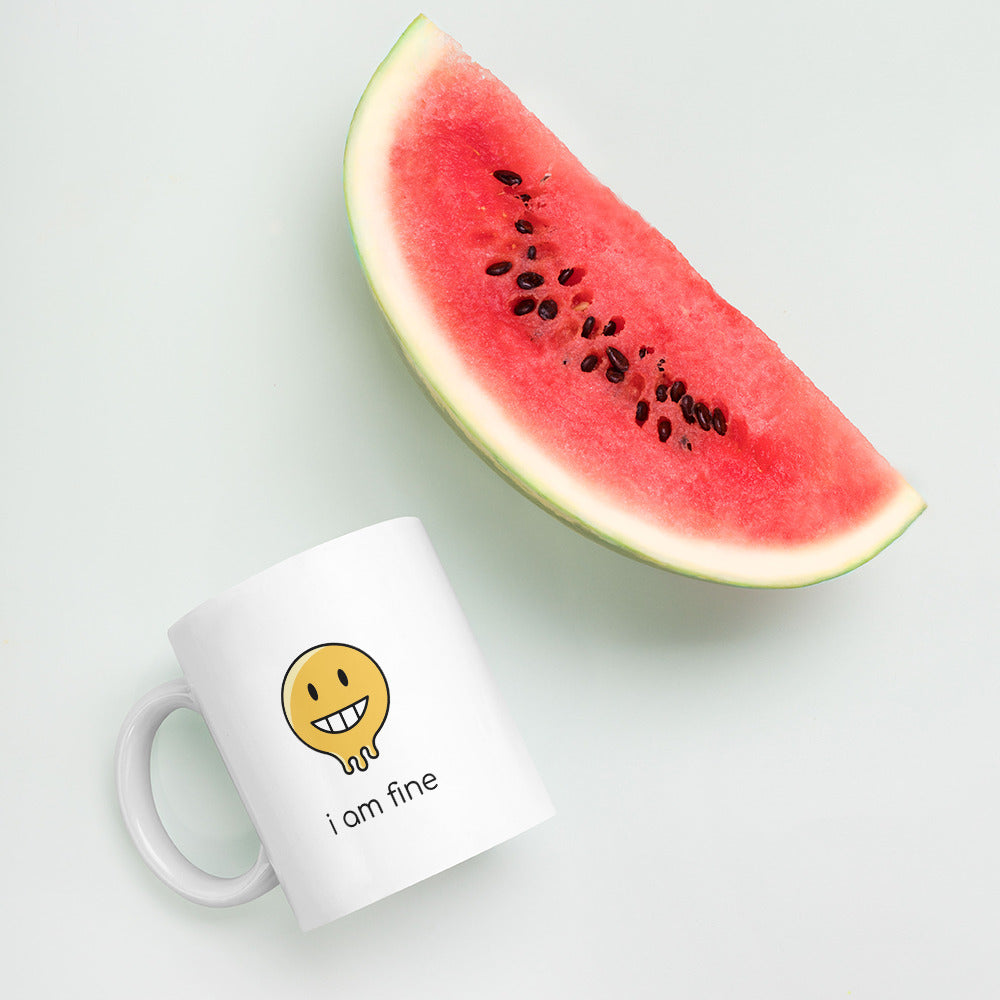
(335, 699)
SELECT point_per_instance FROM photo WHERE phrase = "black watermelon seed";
(663, 428)
(500, 267)
(529, 279)
(547, 308)
(609, 330)
(525, 198)
(661, 393)
(704, 416)
(642, 352)
(641, 412)
(615, 375)
(589, 363)
(565, 274)
(685, 443)
(524, 306)
(523, 226)
(719, 421)
(531, 253)
(588, 327)
(617, 359)
(687, 408)
(507, 177)
(677, 389)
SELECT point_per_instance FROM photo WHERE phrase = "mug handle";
(135, 796)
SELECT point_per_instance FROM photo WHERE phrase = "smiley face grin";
(343, 719)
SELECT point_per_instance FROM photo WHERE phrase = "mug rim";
(234, 590)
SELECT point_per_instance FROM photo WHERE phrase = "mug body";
(354, 712)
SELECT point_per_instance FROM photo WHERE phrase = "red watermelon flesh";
(599, 371)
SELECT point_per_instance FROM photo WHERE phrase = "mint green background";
(789, 794)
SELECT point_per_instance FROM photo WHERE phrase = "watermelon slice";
(582, 355)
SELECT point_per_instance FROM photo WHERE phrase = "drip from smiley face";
(335, 699)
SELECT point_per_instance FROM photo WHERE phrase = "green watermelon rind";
(479, 421)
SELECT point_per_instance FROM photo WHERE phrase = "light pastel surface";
(759, 794)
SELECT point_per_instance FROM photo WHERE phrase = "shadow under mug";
(361, 727)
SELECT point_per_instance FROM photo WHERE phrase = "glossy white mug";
(357, 719)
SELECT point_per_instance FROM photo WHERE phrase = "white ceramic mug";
(360, 725)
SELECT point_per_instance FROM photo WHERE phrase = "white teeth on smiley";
(343, 719)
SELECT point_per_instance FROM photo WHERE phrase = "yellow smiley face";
(335, 699)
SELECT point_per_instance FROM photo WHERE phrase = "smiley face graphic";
(335, 699)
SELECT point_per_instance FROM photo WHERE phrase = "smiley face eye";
(343, 677)
(312, 692)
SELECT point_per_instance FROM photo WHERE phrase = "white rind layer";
(447, 379)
